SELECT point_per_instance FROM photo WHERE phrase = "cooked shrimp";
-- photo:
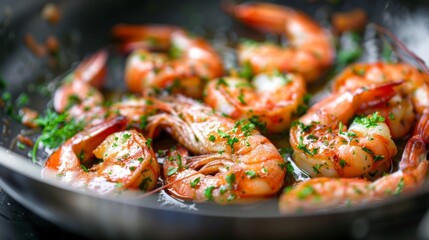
(192, 61)
(136, 110)
(272, 99)
(233, 161)
(79, 94)
(400, 111)
(320, 193)
(323, 146)
(354, 20)
(310, 52)
(128, 160)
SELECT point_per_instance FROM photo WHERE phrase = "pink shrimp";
(233, 161)
(128, 160)
(310, 53)
(402, 110)
(271, 99)
(79, 94)
(323, 146)
(322, 193)
(191, 61)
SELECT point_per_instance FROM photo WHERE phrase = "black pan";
(84, 28)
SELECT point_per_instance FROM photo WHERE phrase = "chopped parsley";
(343, 163)
(221, 81)
(375, 157)
(84, 168)
(399, 187)
(208, 193)
(230, 179)
(370, 121)
(149, 142)
(212, 138)
(22, 100)
(175, 52)
(250, 173)
(172, 170)
(241, 98)
(316, 168)
(261, 125)
(286, 151)
(56, 129)
(306, 192)
(246, 71)
(143, 121)
(301, 146)
(194, 182)
(125, 137)
(302, 126)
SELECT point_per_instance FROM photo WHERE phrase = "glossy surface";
(94, 216)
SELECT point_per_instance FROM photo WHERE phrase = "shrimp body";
(232, 160)
(310, 52)
(127, 160)
(79, 95)
(320, 193)
(412, 98)
(191, 60)
(271, 98)
(323, 146)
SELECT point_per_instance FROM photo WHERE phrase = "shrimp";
(233, 161)
(127, 159)
(191, 61)
(322, 193)
(412, 98)
(324, 147)
(354, 20)
(272, 99)
(79, 95)
(136, 110)
(310, 53)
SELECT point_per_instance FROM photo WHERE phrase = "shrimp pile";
(412, 96)
(271, 99)
(311, 50)
(245, 164)
(190, 62)
(320, 193)
(221, 124)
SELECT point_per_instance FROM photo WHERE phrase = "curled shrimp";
(310, 52)
(271, 99)
(323, 146)
(190, 61)
(127, 161)
(233, 162)
(320, 193)
(412, 98)
(79, 94)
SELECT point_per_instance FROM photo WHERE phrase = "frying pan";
(83, 29)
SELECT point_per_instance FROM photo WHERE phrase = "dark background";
(79, 30)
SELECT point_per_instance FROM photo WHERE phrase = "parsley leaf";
(56, 129)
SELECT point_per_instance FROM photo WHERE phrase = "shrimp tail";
(93, 69)
(422, 127)
(377, 95)
(415, 150)
(414, 154)
(83, 144)
(261, 16)
(150, 37)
